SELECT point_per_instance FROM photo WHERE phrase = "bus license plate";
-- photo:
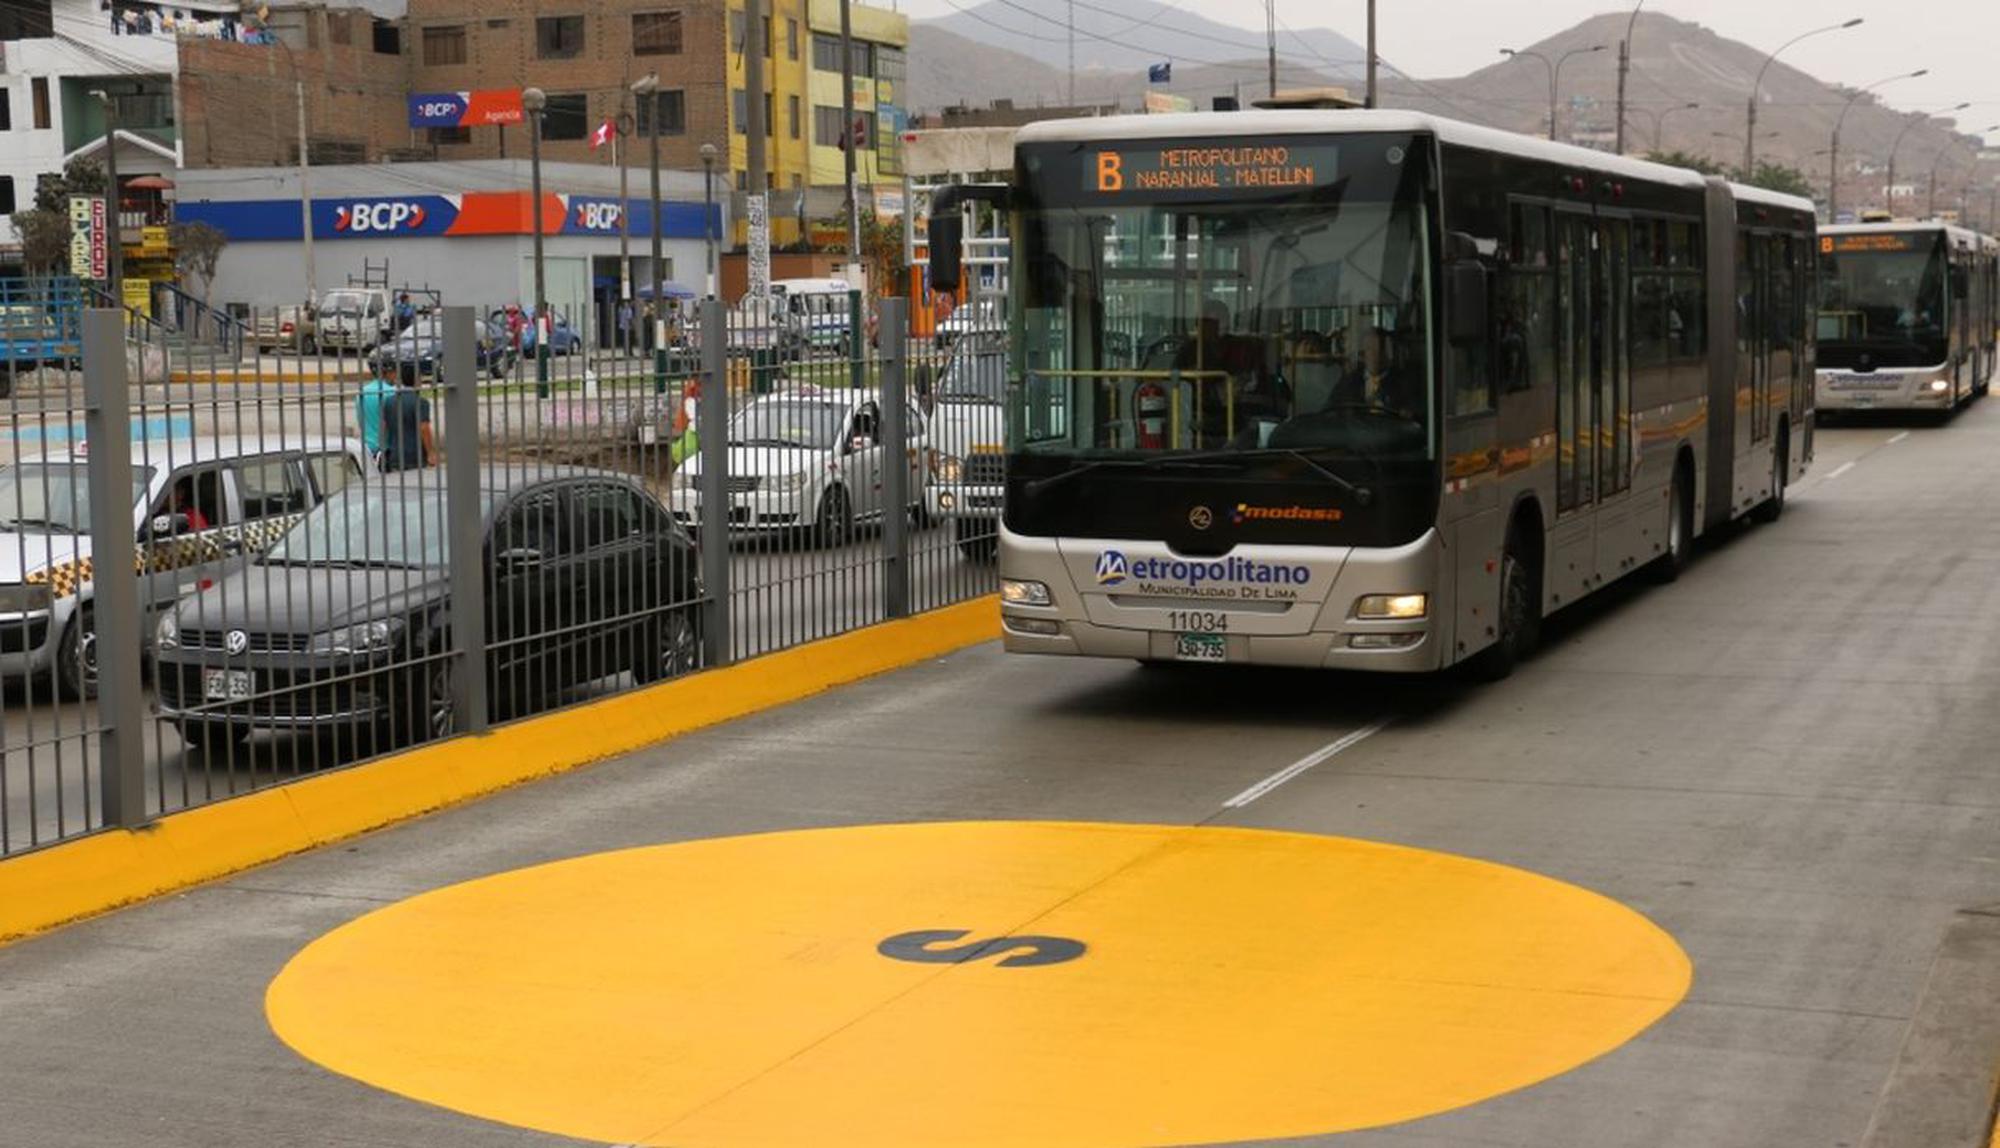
(1201, 648)
(226, 685)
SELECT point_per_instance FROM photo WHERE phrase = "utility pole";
(647, 87)
(758, 178)
(623, 157)
(1624, 68)
(847, 132)
(1072, 48)
(305, 187)
(1271, 45)
(115, 240)
(1371, 99)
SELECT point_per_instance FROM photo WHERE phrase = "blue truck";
(41, 321)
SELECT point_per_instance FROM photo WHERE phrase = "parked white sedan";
(807, 459)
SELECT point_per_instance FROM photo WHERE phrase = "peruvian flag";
(602, 135)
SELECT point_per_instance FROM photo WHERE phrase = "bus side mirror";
(1465, 298)
(947, 244)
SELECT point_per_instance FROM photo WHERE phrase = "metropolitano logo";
(1112, 568)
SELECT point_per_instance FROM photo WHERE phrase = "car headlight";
(950, 468)
(360, 638)
(24, 598)
(1024, 593)
(168, 635)
(1399, 606)
(790, 483)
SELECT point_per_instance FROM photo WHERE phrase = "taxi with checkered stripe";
(201, 506)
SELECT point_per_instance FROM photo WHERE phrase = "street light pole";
(1373, 98)
(708, 154)
(648, 87)
(1555, 73)
(533, 100)
(115, 241)
(1750, 129)
(1833, 148)
(1931, 205)
(1659, 120)
(1624, 67)
(305, 173)
(847, 131)
(1889, 189)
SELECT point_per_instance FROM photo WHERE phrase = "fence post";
(712, 434)
(466, 523)
(898, 460)
(115, 616)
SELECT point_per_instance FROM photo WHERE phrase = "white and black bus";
(1372, 389)
(1908, 314)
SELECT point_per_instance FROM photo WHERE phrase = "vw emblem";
(235, 642)
(1201, 518)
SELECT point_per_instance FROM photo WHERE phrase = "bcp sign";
(379, 217)
(596, 215)
(466, 109)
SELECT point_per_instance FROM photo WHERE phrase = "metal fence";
(345, 546)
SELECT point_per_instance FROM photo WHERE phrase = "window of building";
(656, 33)
(388, 39)
(791, 39)
(864, 58)
(770, 116)
(27, 20)
(792, 115)
(668, 109)
(827, 128)
(736, 31)
(558, 37)
(444, 45)
(768, 44)
(38, 87)
(457, 135)
(340, 27)
(6, 109)
(6, 195)
(739, 112)
(826, 53)
(144, 109)
(567, 117)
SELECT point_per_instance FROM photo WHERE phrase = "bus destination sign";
(1213, 168)
(1868, 241)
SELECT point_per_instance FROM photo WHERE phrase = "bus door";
(1753, 343)
(1580, 282)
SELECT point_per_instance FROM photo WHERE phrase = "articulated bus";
(1908, 316)
(1374, 390)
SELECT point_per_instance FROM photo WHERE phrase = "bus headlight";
(1397, 606)
(1015, 593)
(1940, 385)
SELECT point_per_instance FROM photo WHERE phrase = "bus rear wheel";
(1680, 530)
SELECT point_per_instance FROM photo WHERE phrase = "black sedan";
(344, 624)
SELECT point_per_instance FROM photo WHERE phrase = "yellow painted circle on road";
(979, 984)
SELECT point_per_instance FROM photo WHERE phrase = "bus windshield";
(1882, 300)
(1225, 298)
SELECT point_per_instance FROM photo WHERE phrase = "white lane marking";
(1896, 438)
(1307, 762)
(1837, 471)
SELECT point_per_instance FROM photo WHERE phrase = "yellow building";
(788, 111)
(881, 40)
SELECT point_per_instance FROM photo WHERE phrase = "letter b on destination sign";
(1110, 171)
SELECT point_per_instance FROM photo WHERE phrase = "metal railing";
(336, 556)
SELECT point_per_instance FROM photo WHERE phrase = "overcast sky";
(1958, 40)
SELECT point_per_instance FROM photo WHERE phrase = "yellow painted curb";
(81, 878)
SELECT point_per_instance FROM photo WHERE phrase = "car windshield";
(789, 422)
(342, 304)
(394, 526)
(975, 377)
(53, 495)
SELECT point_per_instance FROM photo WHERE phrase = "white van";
(817, 309)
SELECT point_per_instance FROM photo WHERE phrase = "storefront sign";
(472, 213)
(153, 242)
(465, 109)
(139, 295)
(89, 255)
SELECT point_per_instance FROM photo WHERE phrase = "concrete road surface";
(1785, 761)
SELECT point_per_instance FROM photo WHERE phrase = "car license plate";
(1201, 648)
(227, 685)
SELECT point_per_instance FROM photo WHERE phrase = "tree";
(1689, 160)
(1779, 177)
(79, 177)
(44, 240)
(197, 249)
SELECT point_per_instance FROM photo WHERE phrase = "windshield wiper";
(769, 442)
(1188, 461)
(34, 524)
(1362, 495)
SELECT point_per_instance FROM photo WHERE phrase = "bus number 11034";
(1198, 621)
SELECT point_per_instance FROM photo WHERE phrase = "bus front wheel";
(1520, 625)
